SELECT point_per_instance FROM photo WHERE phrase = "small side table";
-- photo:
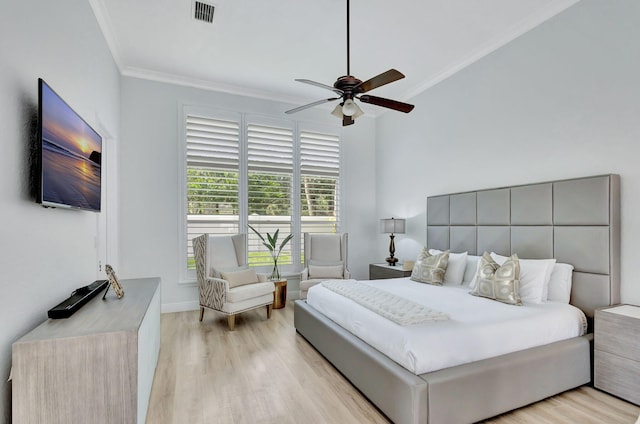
(382, 271)
(280, 295)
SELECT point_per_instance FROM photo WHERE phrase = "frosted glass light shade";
(349, 108)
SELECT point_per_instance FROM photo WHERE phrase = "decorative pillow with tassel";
(501, 283)
(430, 268)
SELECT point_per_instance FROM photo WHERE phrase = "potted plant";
(271, 243)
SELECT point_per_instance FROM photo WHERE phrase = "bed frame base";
(461, 394)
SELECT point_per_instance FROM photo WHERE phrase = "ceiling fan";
(348, 88)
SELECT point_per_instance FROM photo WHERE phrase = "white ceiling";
(258, 47)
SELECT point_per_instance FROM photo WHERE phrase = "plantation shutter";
(213, 158)
(270, 175)
(319, 182)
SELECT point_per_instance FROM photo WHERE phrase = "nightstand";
(381, 271)
(617, 351)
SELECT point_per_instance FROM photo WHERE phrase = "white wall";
(44, 253)
(561, 101)
(150, 190)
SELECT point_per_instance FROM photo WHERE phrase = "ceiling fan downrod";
(348, 43)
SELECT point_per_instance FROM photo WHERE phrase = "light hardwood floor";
(265, 372)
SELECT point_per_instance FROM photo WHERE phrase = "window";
(212, 178)
(319, 183)
(272, 174)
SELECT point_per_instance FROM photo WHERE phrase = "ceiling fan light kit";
(350, 88)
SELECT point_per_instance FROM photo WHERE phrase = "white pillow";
(326, 271)
(534, 275)
(471, 270)
(240, 278)
(560, 283)
(217, 272)
(455, 269)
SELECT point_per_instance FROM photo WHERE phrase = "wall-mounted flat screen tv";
(70, 155)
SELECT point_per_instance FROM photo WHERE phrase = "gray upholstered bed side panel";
(401, 394)
(472, 392)
(576, 221)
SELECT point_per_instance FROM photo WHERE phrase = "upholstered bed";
(575, 221)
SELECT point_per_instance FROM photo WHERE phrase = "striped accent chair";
(225, 282)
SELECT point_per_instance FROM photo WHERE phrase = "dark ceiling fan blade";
(319, 84)
(391, 104)
(347, 120)
(319, 102)
(379, 80)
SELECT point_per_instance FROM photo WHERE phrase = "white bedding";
(478, 328)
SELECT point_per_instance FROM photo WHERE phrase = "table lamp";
(391, 226)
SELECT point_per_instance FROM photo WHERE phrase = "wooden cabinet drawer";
(617, 375)
(617, 333)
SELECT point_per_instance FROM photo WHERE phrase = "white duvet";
(477, 328)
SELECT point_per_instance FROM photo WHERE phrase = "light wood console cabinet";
(617, 351)
(96, 366)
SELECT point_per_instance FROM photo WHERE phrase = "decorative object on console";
(272, 245)
(114, 283)
(391, 226)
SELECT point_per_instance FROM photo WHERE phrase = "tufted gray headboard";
(576, 221)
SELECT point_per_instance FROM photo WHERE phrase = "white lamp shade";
(392, 225)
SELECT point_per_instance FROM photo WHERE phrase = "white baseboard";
(192, 305)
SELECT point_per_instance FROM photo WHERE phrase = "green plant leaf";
(284, 242)
(257, 233)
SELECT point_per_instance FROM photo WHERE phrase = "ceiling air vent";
(203, 11)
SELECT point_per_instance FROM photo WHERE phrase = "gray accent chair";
(325, 257)
(217, 254)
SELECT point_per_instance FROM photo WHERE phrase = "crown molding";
(142, 73)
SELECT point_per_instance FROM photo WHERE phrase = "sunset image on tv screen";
(71, 155)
